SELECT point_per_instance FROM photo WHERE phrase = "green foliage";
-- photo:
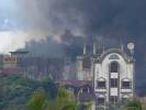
(18, 93)
(64, 100)
(38, 101)
(135, 104)
(15, 91)
(51, 88)
(89, 105)
(144, 106)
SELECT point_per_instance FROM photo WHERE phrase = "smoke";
(112, 20)
(45, 48)
(108, 18)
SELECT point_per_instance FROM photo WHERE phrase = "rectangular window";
(113, 99)
(113, 82)
(114, 67)
(101, 84)
(86, 63)
(126, 84)
(124, 100)
(101, 101)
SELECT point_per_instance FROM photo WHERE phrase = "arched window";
(114, 67)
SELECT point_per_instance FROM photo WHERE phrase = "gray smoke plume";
(109, 19)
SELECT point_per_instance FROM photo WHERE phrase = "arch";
(126, 79)
(125, 96)
(101, 79)
(101, 96)
(114, 56)
(116, 52)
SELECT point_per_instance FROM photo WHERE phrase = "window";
(114, 82)
(125, 84)
(124, 100)
(113, 99)
(114, 67)
(101, 84)
(86, 63)
(114, 56)
(101, 100)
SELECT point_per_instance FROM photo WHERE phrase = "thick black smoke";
(69, 45)
(45, 48)
(115, 19)
(110, 19)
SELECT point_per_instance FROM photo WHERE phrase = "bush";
(134, 105)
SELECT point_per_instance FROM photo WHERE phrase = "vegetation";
(63, 101)
(38, 101)
(18, 93)
(134, 105)
(15, 91)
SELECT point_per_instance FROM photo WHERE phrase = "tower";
(94, 48)
(83, 65)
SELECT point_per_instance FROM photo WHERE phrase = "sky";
(25, 21)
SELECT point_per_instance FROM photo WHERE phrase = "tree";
(134, 105)
(38, 101)
(65, 100)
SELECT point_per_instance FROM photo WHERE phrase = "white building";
(112, 74)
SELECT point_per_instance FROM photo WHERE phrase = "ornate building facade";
(111, 73)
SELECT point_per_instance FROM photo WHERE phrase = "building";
(84, 66)
(111, 72)
(69, 72)
(10, 65)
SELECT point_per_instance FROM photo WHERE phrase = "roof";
(16, 70)
(75, 83)
(19, 52)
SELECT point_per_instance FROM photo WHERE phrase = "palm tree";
(66, 100)
(38, 101)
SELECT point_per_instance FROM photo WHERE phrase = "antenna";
(84, 49)
(94, 48)
(102, 45)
